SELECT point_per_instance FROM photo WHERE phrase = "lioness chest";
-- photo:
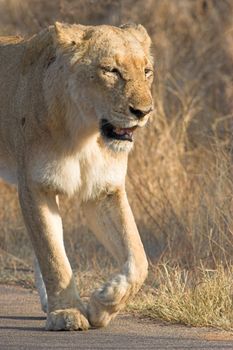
(89, 172)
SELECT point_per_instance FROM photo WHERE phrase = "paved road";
(22, 327)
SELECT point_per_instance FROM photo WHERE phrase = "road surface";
(22, 327)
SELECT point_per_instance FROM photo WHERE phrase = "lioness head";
(109, 79)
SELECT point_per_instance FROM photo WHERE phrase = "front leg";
(44, 225)
(111, 219)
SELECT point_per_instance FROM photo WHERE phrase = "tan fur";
(55, 89)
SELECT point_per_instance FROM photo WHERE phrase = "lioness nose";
(140, 113)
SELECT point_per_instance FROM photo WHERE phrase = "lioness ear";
(68, 34)
(139, 32)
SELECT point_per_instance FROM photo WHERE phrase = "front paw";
(100, 315)
(67, 320)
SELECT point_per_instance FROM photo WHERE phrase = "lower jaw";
(118, 146)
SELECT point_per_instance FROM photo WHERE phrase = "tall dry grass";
(180, 180)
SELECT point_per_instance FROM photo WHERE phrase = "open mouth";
(116, 133)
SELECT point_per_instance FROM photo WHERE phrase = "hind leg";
(40, 286)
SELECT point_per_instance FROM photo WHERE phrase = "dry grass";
(179, 297)
(180, 180)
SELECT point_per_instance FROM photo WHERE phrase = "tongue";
(128, 131)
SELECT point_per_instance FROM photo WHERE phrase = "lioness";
(70, 100)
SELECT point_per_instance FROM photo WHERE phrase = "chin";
(118, 146)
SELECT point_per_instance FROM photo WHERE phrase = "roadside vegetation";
(196, 298)
(180, 179)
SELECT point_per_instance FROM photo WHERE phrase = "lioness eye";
(115, 70)
(112, 70)
(148, 73)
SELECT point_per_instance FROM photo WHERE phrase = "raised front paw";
(99, 315)
(67, 320)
